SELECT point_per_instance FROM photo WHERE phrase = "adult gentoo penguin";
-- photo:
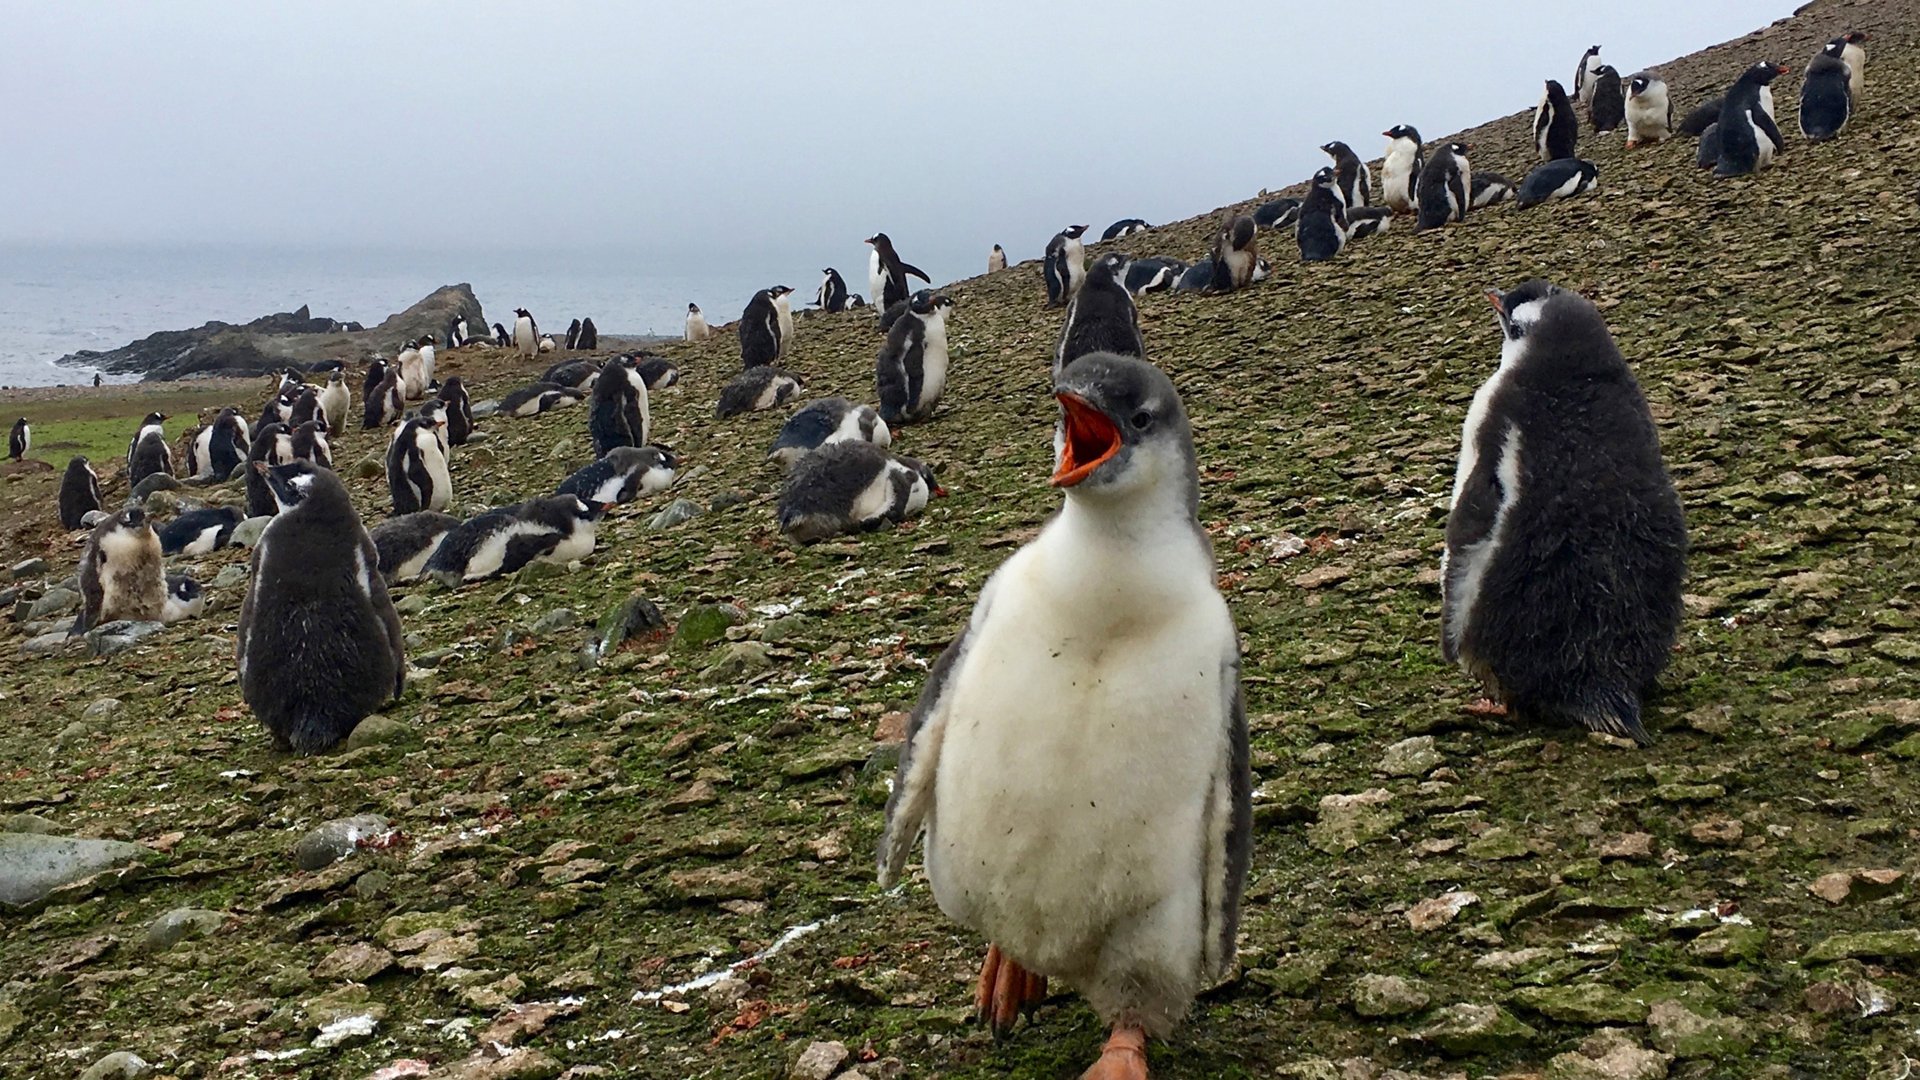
(336, 400)
(575, 373)
(619, 414)
(1649, 110)
(1585, 75)
(501, 336)
(757, 388)
(697, 328)
(832, 295)
(1748, 136)
(1607, 105)
(887, 274)
(149, 453)
(79, 492)
(1400, 170)
(1826, 97)
(1446, 187)
(1853, 51)
(763, 328)
(1556, 180)
(417, 474)
(555, 528)
(453, 394)
(122, 572)
(1102, 317)
(1156, 273)
(996, 259)
(1235, 252)
(1125, 227)
(852, 486)
(823, 422)
(1566, 546)
(404, 543)
(1555, 128)
(1322, 229)
(20, 439)
(573, 334)
(623, 475)
(526, 338)
(320, 646)
(589, 335)
(384, 402)
(457, 332)
(1066, 264)
(1100, 654)
(911, 373)
(1350, 174)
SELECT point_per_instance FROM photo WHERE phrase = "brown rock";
(1434, 913)
(1636, 845)
(357, 962)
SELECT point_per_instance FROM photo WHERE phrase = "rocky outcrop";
(271, 342)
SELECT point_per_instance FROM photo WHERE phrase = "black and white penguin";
(575, 373)
(1649, 110)
(761, 340)
(697, 328)
(279, 407)
(1362, 222)
(1322, 228)
(1101, 645)
(406, 366)
(1607, 104)
(1153, 274)
(1490, 188)
(1556, 180)
(79, 492)
(228, 441)
(1586, 76)
(826, 421)
(122, 572)
(457, 332)
(336, 401)
(1707, 154)
(459, 407)
(657, 372)
(589, 335)
(1277, 215)
(1566, 545)
(1555, 127)
(573, 333)
(1102, 317)
(1197, 277)
(911, 372)
(1704, 116)
(887, 274)
(403, 544)
(320, 646)
(526, 336)
(310, 444)
(382, 403)
(618, 411)
(832, 294)
(417, 474)
(623, 475)
(555, 529)
(1350, 174)
(1235, 252)
(305, 407)
(185, 599)
(1065, 265)
(1826, 97)
(1125, 227)
(1748, 136)
(502, 337)
(149, 453)
(1446, 187)
(429, 356)
(537, 398)
(757, 389)
(852, 487)
(1399, 170)
(20, 439)
(996, 260)
(96, 380)
(197, 532)
(376, 374)
(1853, 50)
(272, 445)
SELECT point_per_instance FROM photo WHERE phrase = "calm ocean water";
(55, 300)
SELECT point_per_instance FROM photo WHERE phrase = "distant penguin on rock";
(320, 646)
(198, 532)
(1350, 174)
(272, 445)
(1607, 105)
(1322, 229)
(1125, 227)
(624, 474)
(1649, 110)
(1556, 180)
(619, 412)
(826, 421)
(1586, 75)
(336, 401)
(417, 474)
(1566, 545)
(1490, 188)
(20, 440)
(1235, 253)
(526, 338)
(852, 487)
(149, 453)
(1446, 187)
(1826, 97)
(887, 274)
(1555, 128)
(1066, 264)
(1277, 215)
(453, 395)
(832, 294)
(697, 328)
(756, 389)
(573, 334)
(996, 259)
(404, 543)
(1102, 316)
(911, 373)
(1749, 139)
(122, 572)
(553, 529)
(79, 492)
(761, 325)
(1400, 170)
(457, 333)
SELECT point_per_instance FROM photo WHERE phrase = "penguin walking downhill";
(911, 373)
(526, 337)
(1556, 180)
(1236, 253)
(417, 473)
(1099, 653)
(887, 274)
(1350, 174)
(852, 486)
(1585, 74)
(1566, 545)
(554, 529)
(149, 453)
(1555, 128)
(79, 493)
(832, 295)
(1399, 170)
(1826, 96)
(1102, 317)
(1065, 265)
(619, 413)
(1446, 187)
(1649, 110)
(1322, 229)
(320, 646)
(697, 328)
(122, 572)
(20, 439)
(1748, 137)
(996, 259)
(1607, 105)
(824, 422)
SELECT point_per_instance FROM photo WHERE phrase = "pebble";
(45, 644)
(561, 618)
(111, 639)
(247, 533)
(674, 513)
(819, 1061)
(29, 568)
(180, 924)
(377, 730)
(105, 708)
(120, 1065)
(156, 482)
(230, 575)
(1411, 757)
(55, 601)
(1387, 995)
(335, 840)
(33, 866)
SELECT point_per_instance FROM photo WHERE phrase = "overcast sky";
(772, 130)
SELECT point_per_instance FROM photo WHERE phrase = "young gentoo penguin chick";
(825, 421)
(1101, 317)
(122, 573)
(624, 474)
(852, 486)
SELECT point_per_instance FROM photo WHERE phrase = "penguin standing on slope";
(225, 445)
(79, 492)
(1100, 647)
(427, 357)
(911, 372)
(1066, 264)
(1607, 106)
(122, 573)
(1555, 128)
(887, 274)
(1446, 187)
(1235, 254)
(1748, 136)
(1826, 97)
(1351, 174)
(272, 445)
(762, 327)
(417, 475)
(336, 401)
(832, 296)
(310, 444)
(526, 337)
(320, 646)
(385, 402)
(1399, 171)
(697, 328)
(573, 334)
(1584, 76)
(1101, 318)
(996, 259)
(453, 395)
(1649, 110)
(305, 407)
(618, 411)
(149, 453)
(1853, 51)
(457, 332)
(1566, 545)
(1322, 229)
(19, 440)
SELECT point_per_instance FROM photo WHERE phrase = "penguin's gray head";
(693, 309)
(132, 518)
(1402, 131)
(291, 484)
(183, 588)
(925, 471)
(1323, 178)
(1854, 37)
(1111, 265)
(667, 458)
(1639, 83)
(1123, 430)
(1520, 308)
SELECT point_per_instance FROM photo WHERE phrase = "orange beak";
(1092, 439)
(1493, 297)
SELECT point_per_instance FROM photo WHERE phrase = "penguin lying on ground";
(1156, 273)
(1555, 128)
(1749, 139)
(556, 529)
(1277, 215)
(1322, 229)
(1350, 174)
(1566, 545)
(122, 572)
(1235, 250)
(697, 328)
(1446, 186)
(319, 646)
(417, 474)
(20, 440)
(1703, 116)
(453, 395)
(826, 421)
(1365, 221)
(1649, 110)
(1102, 316)
(79, 492)
(197, 532)
(1557, 180)
(1607, 106)
(755, 389)
(656, 371)
(149, 453)
(1197, 277)
(623, 475)
(1400, 171)
(1125, 227)
(1065, 264)
(403, 543)
(578, 374)
(1826, 95)
(911, 372)
(185, 599)
(1079, 755)
(1490, 188)
(618, 411)
(538, 398)
(852, 487)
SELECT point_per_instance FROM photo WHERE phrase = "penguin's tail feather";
(1614, 712)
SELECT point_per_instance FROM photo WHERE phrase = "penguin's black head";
(290, 484)
(132, 517)
(1401, 131)
(1854, 37)
(584, 510)
(1519, 308)
(693, 309)
(1837, 48)
(779, 291)
(433, 414)
(934, 490)
(182, 588)
(1593, 50)
(1113, 264)
(1607, 71)
(426, 339)
(997, 247)
(879, 239)
(1459, 149)
(154, 418)
(1122, 428)
(1639, 83)
(1073, 232)
(926, 300)
(1322, 178)
(1555, 90)
(1766, 71)
(667, 457)
(376, 369)
(1337, 149)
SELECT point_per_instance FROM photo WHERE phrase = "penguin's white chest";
(1396, 175)
(933, 365)
(876, 279)
(334, 402)
(1762, 142)
(435, 460)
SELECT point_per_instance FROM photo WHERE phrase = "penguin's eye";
(1142, 420)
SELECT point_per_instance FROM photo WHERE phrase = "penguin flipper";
(910, 270)
(376, 587)
(1230, 835)
(1770, 129)
(913, 784)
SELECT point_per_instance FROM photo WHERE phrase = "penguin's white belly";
(876, 281)
(492, 552)
(334, 402)
(203, 455)
(436, 463)
(1395, 174)
(577, 544)
(875, 501)
(785, 315)
(412, 567)
(203, 542)
(933, 367)
(1763, 145)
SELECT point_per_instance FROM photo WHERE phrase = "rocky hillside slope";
(656, 864)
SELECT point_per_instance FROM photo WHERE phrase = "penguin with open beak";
(1078, 758)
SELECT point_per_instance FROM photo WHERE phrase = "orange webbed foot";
(1005, 991)
(1124, 1057)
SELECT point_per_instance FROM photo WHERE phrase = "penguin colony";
(1558, 452)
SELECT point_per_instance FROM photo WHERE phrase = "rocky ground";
(655, 862)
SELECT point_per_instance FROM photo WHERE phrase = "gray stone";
(102, 709)
(32, 867)
(335, 840)
(1348, 821)
(819, 1061)
(93, 517)
(232, 574)
(561, 618)
(411, 604)
(1387, 995)
(1610, 1054)
(704, 624)
(180, 924)
(739, 660)
(156, 482)
(29, 568)
(30, 823)
(161, 504)
(1680, 1031)
(483, 409)
(120, 1065)
(674, 513)
(369, 468)
(377, 730)
(72, 735)
(1411, 757)
(46, 644)
(635, 616)
(55, 601)
(790, 628)
(111, 639)
(1465, 1029)
(247, 533)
